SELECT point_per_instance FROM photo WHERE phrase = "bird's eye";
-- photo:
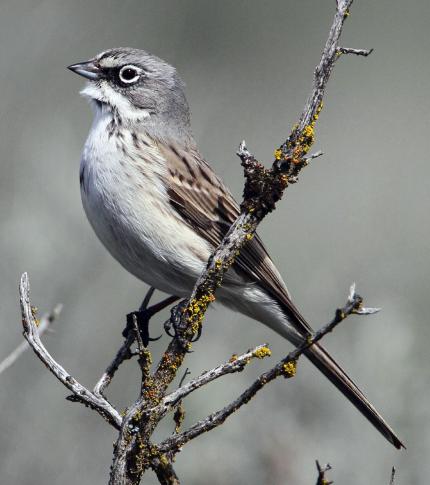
(129, 74)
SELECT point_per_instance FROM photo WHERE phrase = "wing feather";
(205, 203)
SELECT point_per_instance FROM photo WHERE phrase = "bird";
(160, 209)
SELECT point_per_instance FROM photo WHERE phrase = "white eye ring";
(126, 74)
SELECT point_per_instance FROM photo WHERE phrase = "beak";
(88, 69)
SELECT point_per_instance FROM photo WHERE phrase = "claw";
(175, 323)
(198, 334)
(155, 339)
(167, 327)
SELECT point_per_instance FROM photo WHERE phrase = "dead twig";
(322, 470)
(43, 325)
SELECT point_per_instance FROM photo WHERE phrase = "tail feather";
(332, 370)
(328, 366)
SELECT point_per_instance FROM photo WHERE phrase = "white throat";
(113, 101)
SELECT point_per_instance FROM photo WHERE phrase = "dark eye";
(129, 74)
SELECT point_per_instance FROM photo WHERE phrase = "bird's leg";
(142, 320)
(144, 314)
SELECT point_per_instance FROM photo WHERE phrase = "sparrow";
(160, 210)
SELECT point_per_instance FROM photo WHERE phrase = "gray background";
(359, 213)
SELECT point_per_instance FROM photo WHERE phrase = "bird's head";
(136, 86)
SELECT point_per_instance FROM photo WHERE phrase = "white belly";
(128, 208)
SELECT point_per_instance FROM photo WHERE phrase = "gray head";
(139, 89)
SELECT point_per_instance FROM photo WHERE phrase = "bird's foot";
(175, 327)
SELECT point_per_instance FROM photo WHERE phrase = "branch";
(43, 325)
(81, 394)
(235, 364)
(322, 470)
(357, 52)
(263, 189)
(286, 368)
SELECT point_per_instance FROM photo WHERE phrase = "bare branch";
(317, 154)
(235, 364)
(43, 325)
(165, 473)
(357, 52)
(123, 354)
(81, 394)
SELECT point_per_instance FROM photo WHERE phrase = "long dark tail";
(328, 366)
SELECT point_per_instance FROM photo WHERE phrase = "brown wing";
(205, 203)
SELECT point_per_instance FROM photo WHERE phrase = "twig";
(81, 394)
(393, 475)
(123, 354)
(286, 367)
(235, 364)
(322, 470)
(179, 414)
(357, 52)
(43, 325)
(165, 473)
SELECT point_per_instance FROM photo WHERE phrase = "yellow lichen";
(197, 309)
(278, 154)
(218, 264)
(249, 237)
(262, 352)
(289, 368)
(34, 311)
(307, 139)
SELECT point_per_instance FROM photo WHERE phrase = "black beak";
(88, 69)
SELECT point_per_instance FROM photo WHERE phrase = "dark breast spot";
(135, 139)
(111, 128)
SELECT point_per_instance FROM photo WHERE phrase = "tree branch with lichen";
(285, 368)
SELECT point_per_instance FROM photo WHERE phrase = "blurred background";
(358, 214)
